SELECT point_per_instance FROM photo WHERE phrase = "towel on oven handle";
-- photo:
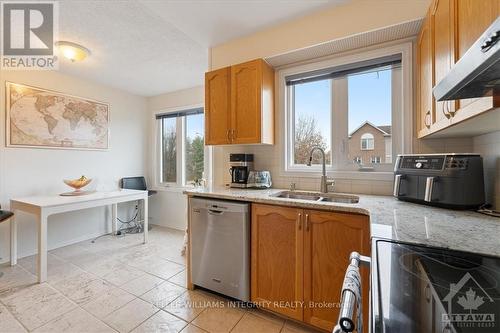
(352, 283)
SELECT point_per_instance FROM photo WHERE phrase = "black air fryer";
(453, 181)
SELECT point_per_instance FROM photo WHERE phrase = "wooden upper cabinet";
(248, 117)
(329, 239)
(217, 106)
(472, 17)
(443, 46)
(425, 103)
(277, 259)
(450, 28)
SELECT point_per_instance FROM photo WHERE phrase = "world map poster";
(42, 118)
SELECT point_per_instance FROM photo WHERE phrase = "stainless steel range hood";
(477, 73)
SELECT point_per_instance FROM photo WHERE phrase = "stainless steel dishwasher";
(220, 246)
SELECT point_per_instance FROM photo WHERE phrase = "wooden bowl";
(77, 184)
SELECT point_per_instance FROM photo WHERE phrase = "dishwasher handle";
(215, 212)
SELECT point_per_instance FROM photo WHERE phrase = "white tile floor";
(120, 285)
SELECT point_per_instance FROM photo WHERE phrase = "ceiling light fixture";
(72, 51)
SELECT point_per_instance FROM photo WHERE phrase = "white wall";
(169, 207)
(488, 145)
(351, 18)
(25, 171)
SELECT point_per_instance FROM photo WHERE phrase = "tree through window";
(182, 147)
(312, 121)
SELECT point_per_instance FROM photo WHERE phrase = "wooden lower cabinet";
(299, 258)
(277, 259)
(329, 239)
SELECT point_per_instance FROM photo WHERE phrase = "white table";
(44, 206)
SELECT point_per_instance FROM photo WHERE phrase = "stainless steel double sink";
(318, 197)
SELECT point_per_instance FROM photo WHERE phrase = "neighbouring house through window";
(347, 110)
(182, 149)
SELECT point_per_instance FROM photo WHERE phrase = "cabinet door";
(472, 19)
(442, 27)
(329, 239)
(246, 94)
(277, 259)
(217, 106)
(424, 83)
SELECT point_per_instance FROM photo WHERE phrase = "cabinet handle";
(427, 293)
(446, 110)
(228, 136)
(450, 111)
(233, 134)
(307, 222)
(299, 220)
(427, 120)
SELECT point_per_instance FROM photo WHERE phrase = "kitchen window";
(354, 110)
(182, 152)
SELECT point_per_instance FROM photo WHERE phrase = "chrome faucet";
(325, 182)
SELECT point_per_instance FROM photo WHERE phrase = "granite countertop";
(393, 219)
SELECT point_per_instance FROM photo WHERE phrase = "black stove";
(422, 289)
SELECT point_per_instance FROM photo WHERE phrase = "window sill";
(348, 175)
(172, 188)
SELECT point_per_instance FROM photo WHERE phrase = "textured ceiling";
(213, 22)
(149, 47)
(132, 48)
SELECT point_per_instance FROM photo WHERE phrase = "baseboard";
(167, 226)
(55, 246)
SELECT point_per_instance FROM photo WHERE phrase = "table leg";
(13, 240)
(42, 248)
(114, 212)
(146, 221)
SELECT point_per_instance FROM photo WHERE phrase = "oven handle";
(349, 303)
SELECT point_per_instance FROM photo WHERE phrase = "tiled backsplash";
(267, 158)
(488, 145)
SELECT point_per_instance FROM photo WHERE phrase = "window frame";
(157, 167)
(371, 139)
(401, 136)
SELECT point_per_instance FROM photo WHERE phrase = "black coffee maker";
(240, 166)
